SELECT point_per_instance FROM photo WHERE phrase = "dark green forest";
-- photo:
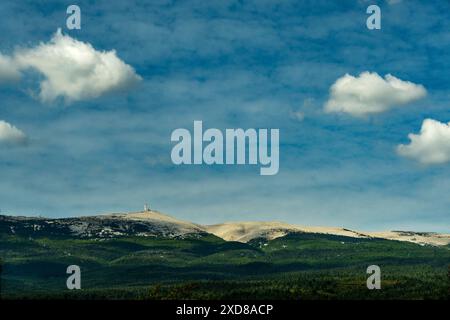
(297, 266)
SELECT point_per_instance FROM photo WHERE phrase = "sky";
(86, 115)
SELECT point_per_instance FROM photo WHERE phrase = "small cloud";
(298, 115)
(370, 93)
(10, 135)
(8, 70)
(74, 70)
(308, 103)
(431, 145)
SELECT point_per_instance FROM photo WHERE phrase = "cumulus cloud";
(74, 70)
(8, 69)
(10, 135)
(431, 145)
(370, 93)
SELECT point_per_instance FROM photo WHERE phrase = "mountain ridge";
(151, 223)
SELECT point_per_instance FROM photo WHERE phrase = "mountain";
(155, 224)
(150, 255)
(247, 231)
(145, 224)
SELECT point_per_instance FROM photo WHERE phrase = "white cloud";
(8, 70)
(10, 135)
(74, 70)
(431, 145)
(370, 93)
(298, 115)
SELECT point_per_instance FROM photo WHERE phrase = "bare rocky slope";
(146, 224)
(246, 231)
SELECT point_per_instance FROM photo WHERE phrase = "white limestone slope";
(246, 231)
(159, 219)
(431, 238)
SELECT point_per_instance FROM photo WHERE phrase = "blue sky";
(232, 64)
